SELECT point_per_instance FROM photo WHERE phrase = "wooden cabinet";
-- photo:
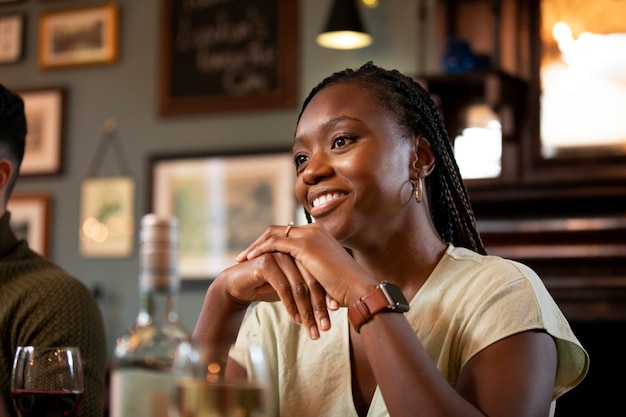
(497, 77)
(498, 32)
(505, 34)
(505, 94)
(565, 218)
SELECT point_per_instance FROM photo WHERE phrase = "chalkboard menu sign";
(228, 55)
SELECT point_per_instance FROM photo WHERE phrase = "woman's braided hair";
(415, 111)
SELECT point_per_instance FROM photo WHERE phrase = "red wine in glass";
(47, 381)
(46, 403)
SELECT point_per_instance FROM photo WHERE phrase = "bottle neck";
(158, 271)
(157, 307)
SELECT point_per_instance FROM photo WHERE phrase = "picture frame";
(11, 37)
(223, 203)
(79, 36)
(44, 110)
(228, 56)
(30, 220)
(107, 221)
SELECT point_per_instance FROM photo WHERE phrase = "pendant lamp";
(344, 29)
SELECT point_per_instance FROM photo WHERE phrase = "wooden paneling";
(573, 236)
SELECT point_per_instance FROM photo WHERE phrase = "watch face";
(395, 297)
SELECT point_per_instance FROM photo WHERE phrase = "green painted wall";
(127, 92)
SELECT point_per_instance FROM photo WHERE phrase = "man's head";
(12, 141)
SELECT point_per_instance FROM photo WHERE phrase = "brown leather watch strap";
(363, 309)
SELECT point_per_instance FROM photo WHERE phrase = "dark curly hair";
(12, 132)
(415, 111)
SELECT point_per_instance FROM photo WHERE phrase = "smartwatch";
(386, 297)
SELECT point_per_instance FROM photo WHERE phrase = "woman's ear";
(423, 161)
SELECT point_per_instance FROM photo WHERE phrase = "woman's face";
(353, 164)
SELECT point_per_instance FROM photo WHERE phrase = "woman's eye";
(341, 141)
(299, 160)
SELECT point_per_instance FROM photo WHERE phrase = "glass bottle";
(141, 378)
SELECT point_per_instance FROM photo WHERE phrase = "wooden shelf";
(504, 93)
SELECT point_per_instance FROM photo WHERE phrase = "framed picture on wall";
(223, 203)
(11, 37)
(30, 220)
(79, 36)
(107, 223)
(44, 115)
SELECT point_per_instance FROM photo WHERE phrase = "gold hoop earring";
(417, 190)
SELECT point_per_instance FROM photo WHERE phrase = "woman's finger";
(280, 273)
(306, 294)
(271, 231)
(331, 303)
(317, 317)
(303, 297)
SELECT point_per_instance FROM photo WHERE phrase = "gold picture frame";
(11, 37)
(30, 220)
(222, 202)
(44, 110)
(79, 36)
(107, 222)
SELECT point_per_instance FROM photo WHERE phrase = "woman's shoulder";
(513, 297)
(469, 266)
(492, 288)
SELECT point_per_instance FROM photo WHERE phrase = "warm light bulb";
(563, 35)
(370, 3)
(561, 31)
(344, 39)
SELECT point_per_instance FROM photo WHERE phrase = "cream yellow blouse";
(469, 302)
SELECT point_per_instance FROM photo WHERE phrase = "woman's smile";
(325, 199)
(325, 202)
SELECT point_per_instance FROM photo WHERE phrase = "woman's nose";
(318, 166)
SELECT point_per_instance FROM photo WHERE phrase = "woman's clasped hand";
(306, 279)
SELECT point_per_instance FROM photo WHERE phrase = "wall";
(127, 92)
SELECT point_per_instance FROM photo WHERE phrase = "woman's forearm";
(220, 318)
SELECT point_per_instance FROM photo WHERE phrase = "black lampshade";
(344, 29)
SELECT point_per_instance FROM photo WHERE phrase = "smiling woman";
(390, 285)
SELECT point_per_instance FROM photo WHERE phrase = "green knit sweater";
(40, 304)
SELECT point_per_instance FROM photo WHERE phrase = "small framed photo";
(107, 225)
(79, 36)
(11, 37)
(30, 220)
(223, 203)
(44, 116)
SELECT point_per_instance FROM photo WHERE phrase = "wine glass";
(47, 381)
(213, 382)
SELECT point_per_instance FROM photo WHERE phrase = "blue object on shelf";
(458, 57)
